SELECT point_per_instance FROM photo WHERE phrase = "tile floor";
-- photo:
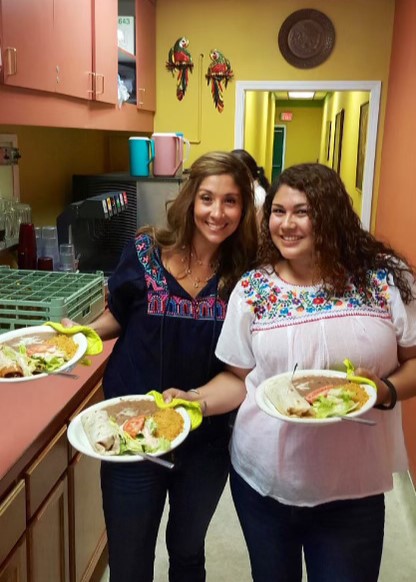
(227, 559)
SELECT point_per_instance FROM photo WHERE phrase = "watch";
(393, 396)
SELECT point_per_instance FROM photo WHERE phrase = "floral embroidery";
(275, 303)
(159, 299)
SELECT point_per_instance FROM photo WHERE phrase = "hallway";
(227, 559)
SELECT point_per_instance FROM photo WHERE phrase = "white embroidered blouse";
(272, 325)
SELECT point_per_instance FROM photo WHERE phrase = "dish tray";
(33, 297)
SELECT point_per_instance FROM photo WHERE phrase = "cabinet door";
(105, 50)
(146, 54)
(72, 32)
(12, 519)
(27, 43)
(87, 527)
(15, 569)
(48, 540)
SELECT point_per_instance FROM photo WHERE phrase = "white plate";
(23, 335)
(79, 440)
(264, 403)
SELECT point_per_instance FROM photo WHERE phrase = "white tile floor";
(227, 559)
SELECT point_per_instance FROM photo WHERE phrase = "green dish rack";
(33, 297)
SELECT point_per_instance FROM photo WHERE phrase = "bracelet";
(202, 403)
(393, 396)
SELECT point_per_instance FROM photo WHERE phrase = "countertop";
(32, 412)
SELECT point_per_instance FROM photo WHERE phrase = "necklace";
(187, 259)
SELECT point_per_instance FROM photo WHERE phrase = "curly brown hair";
(344, 250)
(238, 252)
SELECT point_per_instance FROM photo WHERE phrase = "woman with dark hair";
(260, 182)
(324, 290)
(167, 302)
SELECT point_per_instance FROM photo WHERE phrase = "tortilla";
(11, 371)
(102, 435)
(286, 399)
(9, 368)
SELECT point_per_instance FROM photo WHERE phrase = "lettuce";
(144, 442)
(336, 402)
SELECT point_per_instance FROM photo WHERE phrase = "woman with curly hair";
(167, 303)
(324, 290)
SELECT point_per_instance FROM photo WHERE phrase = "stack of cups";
(39, 244)
(50, 245)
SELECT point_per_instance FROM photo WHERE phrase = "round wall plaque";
(306, 38)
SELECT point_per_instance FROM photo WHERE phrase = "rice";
(169, 423)
(359, 394)
(64, 343)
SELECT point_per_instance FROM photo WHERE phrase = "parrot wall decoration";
(180, 60)
(218, 75)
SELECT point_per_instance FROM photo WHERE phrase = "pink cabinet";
(61, 46)
(72, 48)
(146, 54)
(26, 29)
(105, 50)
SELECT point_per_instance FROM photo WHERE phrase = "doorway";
(279, 138)
(374, 89)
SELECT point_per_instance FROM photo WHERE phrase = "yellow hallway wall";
(303, 133)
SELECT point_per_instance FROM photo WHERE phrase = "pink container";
(168, 154)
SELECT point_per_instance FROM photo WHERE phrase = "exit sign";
(286, 116)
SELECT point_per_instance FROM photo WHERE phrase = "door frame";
(373, 87)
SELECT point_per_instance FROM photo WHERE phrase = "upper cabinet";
(105, 51)
(72, 48)
(50, 45)
(68, 48)
(27, 62)
(146, 55)
(137, 51)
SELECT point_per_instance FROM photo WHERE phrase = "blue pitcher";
(142, 153)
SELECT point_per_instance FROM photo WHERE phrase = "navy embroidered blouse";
(168, 338)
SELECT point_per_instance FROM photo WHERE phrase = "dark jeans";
(342, 540)
(134, 496)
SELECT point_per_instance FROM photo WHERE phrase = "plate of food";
(34, 352)
(315, 396)
(122, 429)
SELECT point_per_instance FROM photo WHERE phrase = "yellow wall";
(246, 32)
(350, 102)
(50, 156)
(303, 133)
(258, 130)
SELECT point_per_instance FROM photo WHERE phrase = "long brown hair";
(343, 248)
(238, 252)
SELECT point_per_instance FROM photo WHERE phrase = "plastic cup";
(26, 250)
(67, 257)
(45, 264)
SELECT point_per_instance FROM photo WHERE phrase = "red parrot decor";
(219, 73)
(180, 60)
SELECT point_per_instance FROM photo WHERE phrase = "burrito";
(102, 434)
(286, 399)
(9, 365)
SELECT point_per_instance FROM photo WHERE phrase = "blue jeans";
(342, 541)
(134, 496)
